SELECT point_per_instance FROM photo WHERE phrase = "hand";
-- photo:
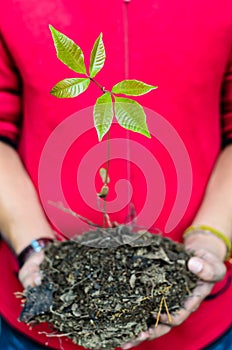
(152, 333)
(29, 274)
(208, 266)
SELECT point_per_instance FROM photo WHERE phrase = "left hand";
(207, 264)
(29, 274)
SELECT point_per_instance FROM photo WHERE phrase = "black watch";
(36, 246)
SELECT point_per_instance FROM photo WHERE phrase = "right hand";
(150, 334)
(29, 274)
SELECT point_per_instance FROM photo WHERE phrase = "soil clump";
(105, 287)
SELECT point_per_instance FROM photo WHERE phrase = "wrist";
(210, 239)
(22, 242)
(18, 236)
(34, 247)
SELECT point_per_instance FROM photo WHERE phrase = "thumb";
(208, 267)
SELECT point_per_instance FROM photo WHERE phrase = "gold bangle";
(210, 230)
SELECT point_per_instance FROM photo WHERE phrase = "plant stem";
(106, 178)
(102, 88)
(108, 158)
(99, 85)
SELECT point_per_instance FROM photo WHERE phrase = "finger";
(31, 280)
(156, 332)
(143, 336)
(29, 274)
(37, 258)
(25, 272)
(191, 304)
(177, 318)
(206, 267)
(152, 333)
(202, 290)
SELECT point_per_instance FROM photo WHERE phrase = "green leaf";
(103, 114)
(132, 88)
(98, 56)
(68, 52)
(131, 116)
(70, 87)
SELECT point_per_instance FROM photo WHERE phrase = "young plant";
(129, 113)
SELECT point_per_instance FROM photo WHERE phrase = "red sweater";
(182, 46)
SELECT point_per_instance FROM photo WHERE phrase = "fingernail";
(195, 265)
(37, 280)
(126, 346)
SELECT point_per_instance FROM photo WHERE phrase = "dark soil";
(105, 287)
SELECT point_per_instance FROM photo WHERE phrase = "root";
(163, 302)
(19, 295)
(53, 335)
(60, 206)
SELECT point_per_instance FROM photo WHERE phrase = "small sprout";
(105, 177)
(104, 191)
